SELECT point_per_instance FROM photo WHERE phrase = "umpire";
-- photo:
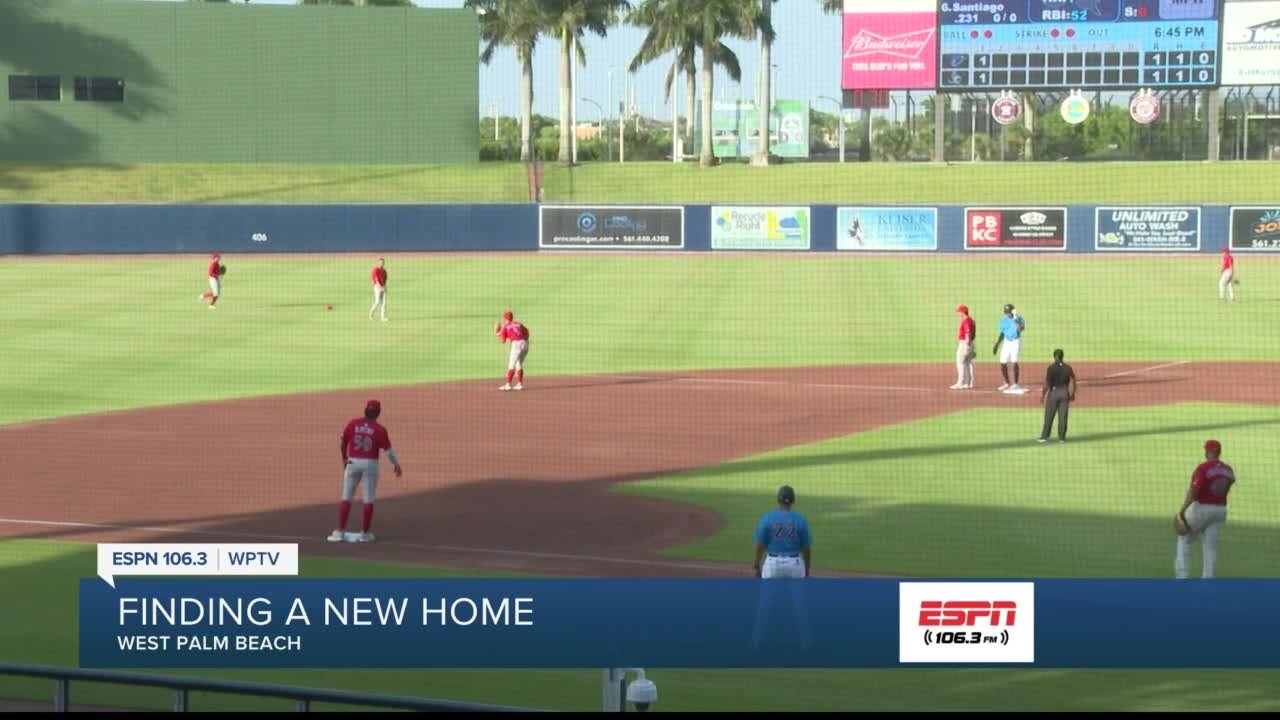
(1058, 393)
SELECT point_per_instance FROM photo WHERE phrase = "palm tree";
(669, 30)
(515, 23)
(570, 19)
(715, 20)
(765, 83)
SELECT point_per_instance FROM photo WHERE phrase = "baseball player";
(511, 329)
(1010, 333)
(362, 440)
(379, 278)
(215, 272)
(1227, 275)
(1206, 500)
(965, 352)
(783, 542)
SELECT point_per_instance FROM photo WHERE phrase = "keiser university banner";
(736, 623)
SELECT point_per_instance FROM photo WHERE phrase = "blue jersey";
(783, 532)
(1011, 328)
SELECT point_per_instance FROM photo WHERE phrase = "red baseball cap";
(373, 405)
(963, 308)
(216, 255)
(507, 315)
(1213, 445)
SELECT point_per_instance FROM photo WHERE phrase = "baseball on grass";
(328, 307)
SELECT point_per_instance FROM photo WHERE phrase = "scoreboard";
(1095, 44)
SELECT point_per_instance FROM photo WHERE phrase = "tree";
(714, 20)
(669, 30)
(517, 24)
(570, 20)
(765, 85)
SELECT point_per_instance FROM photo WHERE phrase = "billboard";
(1255, 228)
(1146, 228)
(886, 228)
(611, 228)
(735, 128)
(1101, 44)
(760, 228)
(1251, 42)
(894, 49)
(1021, 228)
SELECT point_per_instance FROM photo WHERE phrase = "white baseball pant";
(519, 350)
(360, 470)
(1225, 285)
(1206, 523)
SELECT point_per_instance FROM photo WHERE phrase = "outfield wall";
(133, 229)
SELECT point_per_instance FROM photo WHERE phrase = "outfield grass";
(121, 332)
(45, 632)
(648, 182)
(117, 333)
(972, 495)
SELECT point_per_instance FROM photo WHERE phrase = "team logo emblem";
(1144, 108)
(1075, 109)
(1006, 109)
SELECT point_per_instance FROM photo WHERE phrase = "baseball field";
(666, 397)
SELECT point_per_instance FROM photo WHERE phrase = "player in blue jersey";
(1010, 333)
(783, 541)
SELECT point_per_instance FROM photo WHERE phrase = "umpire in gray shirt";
(1057, 394)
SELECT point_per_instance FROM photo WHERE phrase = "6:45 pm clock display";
(1032, 44)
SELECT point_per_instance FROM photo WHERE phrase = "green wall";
(214, 82)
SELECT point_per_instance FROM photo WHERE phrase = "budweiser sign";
(905, 45)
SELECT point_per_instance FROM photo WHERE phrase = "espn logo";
(966, 622)
(941, 613)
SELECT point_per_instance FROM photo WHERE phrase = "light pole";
(573, 85)
(609, 102)
(608, 138)
(840, 118)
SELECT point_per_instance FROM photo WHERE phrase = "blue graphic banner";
(429, 623)
(887, 228)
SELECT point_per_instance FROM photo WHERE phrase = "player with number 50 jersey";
(363, 441)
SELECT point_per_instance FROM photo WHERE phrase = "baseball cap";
(373, 405)
(215, 256)
(963, 309)
(1213, 445)
(1008, 307)
(507, 315)
(787, 494)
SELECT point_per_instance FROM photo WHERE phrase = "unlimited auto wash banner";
(580, 623)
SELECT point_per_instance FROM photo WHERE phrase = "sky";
(806, 53)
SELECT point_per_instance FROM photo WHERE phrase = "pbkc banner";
(579, 623)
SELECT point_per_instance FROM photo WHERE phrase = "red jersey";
(1212, 480)
(514, 330)
(214, 269)
(968, 329)
(379, 276)
(1228, 262)
(364, 438)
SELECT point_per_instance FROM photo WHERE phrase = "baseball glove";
(222, 269)
(1180, 527)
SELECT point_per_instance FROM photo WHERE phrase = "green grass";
(1057, 183)
(124, 332)
(44, 632)
(972, 495)
(116, 333)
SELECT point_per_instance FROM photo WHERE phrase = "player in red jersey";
(965, 352)
(1207, 502)
(379, 278)
(511, 329)
(362, 440)
(215, 272)
(1227, 276)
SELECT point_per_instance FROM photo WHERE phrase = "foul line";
(412, 546)
(1139, 371)
(731, 381)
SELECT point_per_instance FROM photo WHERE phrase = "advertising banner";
(611, 228)
(1255, 228)
(886, 228)
(894, 49)
(760, 228)
(735, 129)
(1024, 228)
(1251, 42)
(1146, 228)
(372, 623)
